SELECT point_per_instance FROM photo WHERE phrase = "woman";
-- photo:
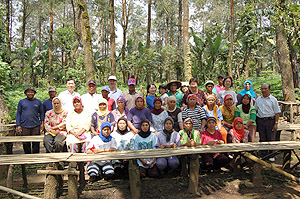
(100, 116)
(228, 82)
(195, 112)
(168, 138)
(158, 116)
(151, 90)
(248, 114)
(248, 89)
(228, 110)
(238, 134)
(137, 114)
(55, 126)
(175, 113)
(78, 126)
(121, 110)
(145, 139)
(209, 85)
(200, 96)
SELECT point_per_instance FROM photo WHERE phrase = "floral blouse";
(228, 115)
(53, 119)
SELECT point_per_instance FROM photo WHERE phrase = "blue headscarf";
(249, 92)
(103, 138)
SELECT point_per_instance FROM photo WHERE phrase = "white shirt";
(99, 144)
(266, 107)
(67, 100)
(90, 102)
(115, 94)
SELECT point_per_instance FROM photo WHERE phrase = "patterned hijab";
(125, 108)
(79, 109)
(59, 110)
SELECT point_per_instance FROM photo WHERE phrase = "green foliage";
(65, 38)
(5, 72)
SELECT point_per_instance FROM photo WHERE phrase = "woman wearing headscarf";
(248, 114)
(121, 110)
(175, 113)
(104, 142)
(137, 114)
(168, 138)
(158, 115)
(228, 110)
(78, 126)
(145, 139)
(238, 134)
(248, 89)
(100, 116)
(55, 126)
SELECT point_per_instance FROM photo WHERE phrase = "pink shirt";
(219, 88)
(207, 137)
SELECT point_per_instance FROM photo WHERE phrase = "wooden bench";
(135, 183)
(292, 128)
(289, 108)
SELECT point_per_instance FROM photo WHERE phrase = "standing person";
(55, 128)
(228, 83)
(30, 119)
(68, 95)
(220, 86)
(267, 116)
(47, 104)
(90, 99)
(163, 94)
(114, 93)
(195, 112)
(201, 100)
(184, 87)
(175, 113)
(248, 89)
(131, 94)
(110, 101)
(158, 115)
(248, 114)
(172, 87)
(209, 85)
(151, 90)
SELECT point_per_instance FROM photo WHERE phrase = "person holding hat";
(209, 85)
(30, 119)
(47, 104)
(131, 94)
(220, 86)
(114, 93)
(201, 100)
(110, 101)
(172, 87)
(90, 99)
(68, 95)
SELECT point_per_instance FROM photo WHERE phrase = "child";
(164, 96)
(189, 136)
(102, 143)
(211, 136)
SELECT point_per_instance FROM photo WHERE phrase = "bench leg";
(286, 160)
(134, 179)
(194, 174)
(184, 169)
(51, 184)
(24, 176)
(257, 178)
(72, 183)
(9, 180)
(82, 182)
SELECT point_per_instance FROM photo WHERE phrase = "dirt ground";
(219, 184)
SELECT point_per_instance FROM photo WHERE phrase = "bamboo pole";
(57, 172)
(256, 159)
(17, 193)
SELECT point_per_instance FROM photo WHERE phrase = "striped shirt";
(197, 115)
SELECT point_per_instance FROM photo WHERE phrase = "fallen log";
(8, 190)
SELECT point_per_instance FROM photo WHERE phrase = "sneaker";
(272, 159)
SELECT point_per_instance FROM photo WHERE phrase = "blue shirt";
(47, 104)
(30, 113)
(150, 101)
(135, 116)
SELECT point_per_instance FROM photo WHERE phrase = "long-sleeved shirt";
(30, 113)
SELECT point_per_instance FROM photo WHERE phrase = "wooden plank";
(288, 127)
(288, 103)
(33, 138)
(5, 189)
(8, 125)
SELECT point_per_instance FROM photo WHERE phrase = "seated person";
(145, 139)
(228, 111)
(211, 136)
(168, 138)
(238, 134)
(189, 136)
(158, 116)
(102, 143)
(55, 126)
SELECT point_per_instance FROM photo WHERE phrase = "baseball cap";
(220, 76)
(52, 88)
(91, 82)
(30, 88)
(105, 88)
(131, 81)
(112, 77)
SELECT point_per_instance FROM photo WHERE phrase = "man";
(114, 92)
(90, 99)
(172, 87)
(110, 101)
(47, 104)
(131, 94)
(68, 95)
(220, 86)
(268, 110)
(30, 119)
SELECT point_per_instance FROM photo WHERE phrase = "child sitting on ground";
(104, 142)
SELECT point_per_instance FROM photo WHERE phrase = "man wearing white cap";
(90, 99)
(114, 92)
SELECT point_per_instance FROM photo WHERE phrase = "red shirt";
(207, 136)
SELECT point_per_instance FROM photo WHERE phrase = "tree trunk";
(87, 41)
(231, 41)
(124, 22)
(51, 79)
(4, 116)
(186, 43)
(40, 33)
(179, 42)
(8, 25)
(285, 64)
(112, 37)
(293, 59)
(148, 39)
(23, 40)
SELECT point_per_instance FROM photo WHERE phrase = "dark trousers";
(264, 128)
(27, 146)
(55, 143)
(216, 160)
(152, 172)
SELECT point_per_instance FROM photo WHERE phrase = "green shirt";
(246, 117)
(184, 138)
(178, 97)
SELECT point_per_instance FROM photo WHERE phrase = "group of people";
(118, 121)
